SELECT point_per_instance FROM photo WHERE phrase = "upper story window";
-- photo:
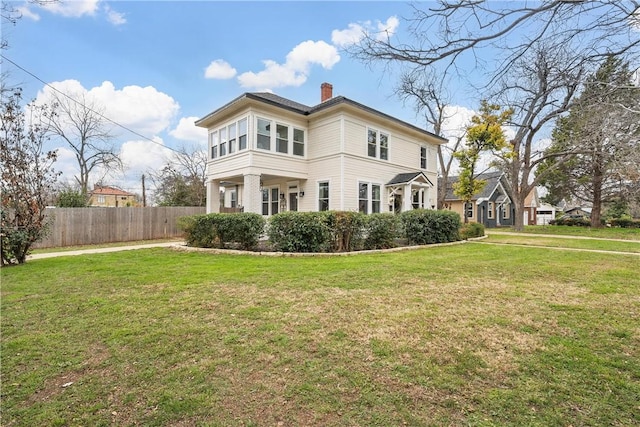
(286, 139)
(223, 142)
(282, 139)
(298, 142)
(232, 137)
(377, 144)
(263, 137)
(242, 134)
(229, 139)
(213, 142)
(423, 157)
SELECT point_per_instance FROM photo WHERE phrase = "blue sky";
(156, 66)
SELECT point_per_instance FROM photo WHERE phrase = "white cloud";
(72, 9)
(142, 109)
(219, 69)
(143, 156)
(295, 70)
(357, 31)
(351, 35)
(26, 12)
(116, 18)
(387, 29)
(188, 131)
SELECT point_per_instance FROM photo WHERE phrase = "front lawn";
(601, 233)
(631, 246)
(460, 335)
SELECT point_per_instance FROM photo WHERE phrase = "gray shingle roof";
(404, 178)
(279, 101)
(492, 178)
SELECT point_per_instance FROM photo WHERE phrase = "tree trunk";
(442, 190)
(597, 197)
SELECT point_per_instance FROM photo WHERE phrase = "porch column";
(252, 197)
(407, 200)
(213, 196)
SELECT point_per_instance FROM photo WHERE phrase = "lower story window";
(469, 210)
(369, 197)
(270, 200)
(323, 196)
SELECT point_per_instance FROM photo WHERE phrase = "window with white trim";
(369, 197)
(490, 210)
(270, 200)
(423, 157)
(377, 144)
(213, 142)
(263, 136)
(282, 138)
(242, 134)
(298, 142)
(232, 137)
(323, 196)
(223, 142)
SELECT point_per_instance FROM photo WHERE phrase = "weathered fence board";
(92, 226)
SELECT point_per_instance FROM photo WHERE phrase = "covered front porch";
(264, 194)
(411, 190)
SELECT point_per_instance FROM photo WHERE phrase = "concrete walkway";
(104, 250)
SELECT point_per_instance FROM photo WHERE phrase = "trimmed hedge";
(471, 230)
(579, 222)
(625, 223)
(381, 230)
(300, 232)
(424, 227)
(219, 230)
(332, 231)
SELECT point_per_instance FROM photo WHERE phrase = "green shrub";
(219, 230)
(381, 230)
(347, 230)
(300, 232)
(625, 222)
(423, 227)
(579, 222)
(471, 230)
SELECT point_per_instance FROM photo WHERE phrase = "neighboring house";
(107, 196)
(270, 154)
(578, 212)
(545, 213)
(491, 206)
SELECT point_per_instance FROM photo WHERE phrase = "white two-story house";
(270, 154)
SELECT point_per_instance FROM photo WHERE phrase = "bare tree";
(80, 123)
(427, 92)
(455, 30)
(182, 181)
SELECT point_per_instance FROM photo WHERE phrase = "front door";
(293, 201)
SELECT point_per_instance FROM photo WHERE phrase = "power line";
(84, 106)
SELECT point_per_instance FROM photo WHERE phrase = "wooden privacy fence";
(91, 226)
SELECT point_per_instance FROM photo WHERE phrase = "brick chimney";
(326, 92)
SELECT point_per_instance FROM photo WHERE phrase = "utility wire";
(84, 106)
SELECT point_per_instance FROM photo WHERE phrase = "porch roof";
(408, 177)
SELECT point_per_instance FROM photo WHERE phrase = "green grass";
(603, 233)
(593, 244)
(458, 335)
